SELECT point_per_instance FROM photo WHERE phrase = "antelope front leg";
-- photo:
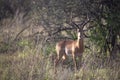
(55, 64)
(75, 65)
(79, 61)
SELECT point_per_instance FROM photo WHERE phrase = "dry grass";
(29, 65)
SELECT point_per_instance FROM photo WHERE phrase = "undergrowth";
(32, 65)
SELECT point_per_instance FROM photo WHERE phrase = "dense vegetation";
(29, 30)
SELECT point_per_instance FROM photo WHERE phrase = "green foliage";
(97, 35)
(50, 49)
(24, 43)
(4, 47)
(106, 31)
(72, 34)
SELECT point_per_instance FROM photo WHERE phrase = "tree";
(107, 27)
(53, 15)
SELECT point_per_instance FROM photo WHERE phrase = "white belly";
(68, 52)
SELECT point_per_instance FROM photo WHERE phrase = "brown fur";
(75, 48)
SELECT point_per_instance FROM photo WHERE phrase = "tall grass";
(29, 65)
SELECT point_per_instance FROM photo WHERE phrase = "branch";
(63, 29)
(74, 26)
(85, 22)
(20, 32)
(88, 28)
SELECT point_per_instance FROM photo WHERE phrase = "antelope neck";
(79, 42)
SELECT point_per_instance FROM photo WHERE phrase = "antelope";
(71, 47)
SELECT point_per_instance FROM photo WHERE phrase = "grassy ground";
(29, 65)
